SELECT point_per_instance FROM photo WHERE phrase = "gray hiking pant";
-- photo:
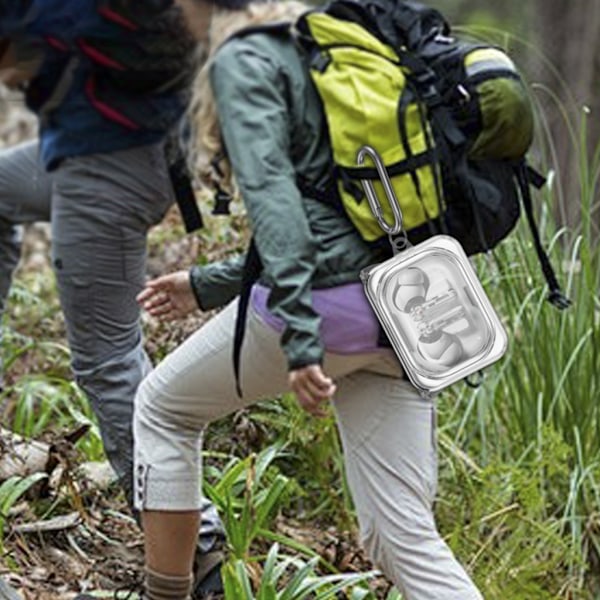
(100, 208)
(387, 430)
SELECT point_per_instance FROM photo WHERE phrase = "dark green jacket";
(273, 129)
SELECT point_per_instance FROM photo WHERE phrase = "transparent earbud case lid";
(435, 313)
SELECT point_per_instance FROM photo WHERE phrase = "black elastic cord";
(475, 383)
(438, 150)
(222, 199)
(181, 182)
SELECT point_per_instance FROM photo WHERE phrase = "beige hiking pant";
(387, 431)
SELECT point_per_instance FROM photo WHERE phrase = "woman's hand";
(312, 388)
(168, 297)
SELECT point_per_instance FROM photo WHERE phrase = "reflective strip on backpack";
(484, 60)
(504, 106)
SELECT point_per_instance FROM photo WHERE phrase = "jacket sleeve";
(216, 284)
(250, 92)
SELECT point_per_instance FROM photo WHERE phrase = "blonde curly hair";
(206, 142)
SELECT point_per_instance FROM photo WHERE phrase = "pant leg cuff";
(160, 491)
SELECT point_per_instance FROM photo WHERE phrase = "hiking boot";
(208, 584)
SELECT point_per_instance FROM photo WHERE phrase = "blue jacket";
(82, 109)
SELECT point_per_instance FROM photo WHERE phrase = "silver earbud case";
(435, 313)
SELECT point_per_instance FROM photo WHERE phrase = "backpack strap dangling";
(556, 297)
(183, 189)
(252, 270)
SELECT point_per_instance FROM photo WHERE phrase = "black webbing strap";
(184, 195)
(556, 296)
(442, 154)
(181, 182)
(447, 138)
(252, 270)
(425, 81)
(411, 163)
(403, 103)
(327, 192)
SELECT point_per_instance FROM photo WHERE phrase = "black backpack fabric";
(154, 58)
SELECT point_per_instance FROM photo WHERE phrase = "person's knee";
(155, 409)
(10, 252)
(146, 404)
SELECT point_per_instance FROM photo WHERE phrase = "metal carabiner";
(374, 203)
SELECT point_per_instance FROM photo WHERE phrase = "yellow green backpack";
(451, 119)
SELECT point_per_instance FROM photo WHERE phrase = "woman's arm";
(250, 92)
(216, 284)
(176, 295)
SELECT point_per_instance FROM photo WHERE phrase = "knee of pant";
(115, 379)
(380, 552)
(10, 252)
(156, 409)
(117, 440)
(145, 400)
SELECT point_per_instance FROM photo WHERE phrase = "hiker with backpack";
(107, 80)
(309, 327)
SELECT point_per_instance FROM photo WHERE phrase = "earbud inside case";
(435, 313)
